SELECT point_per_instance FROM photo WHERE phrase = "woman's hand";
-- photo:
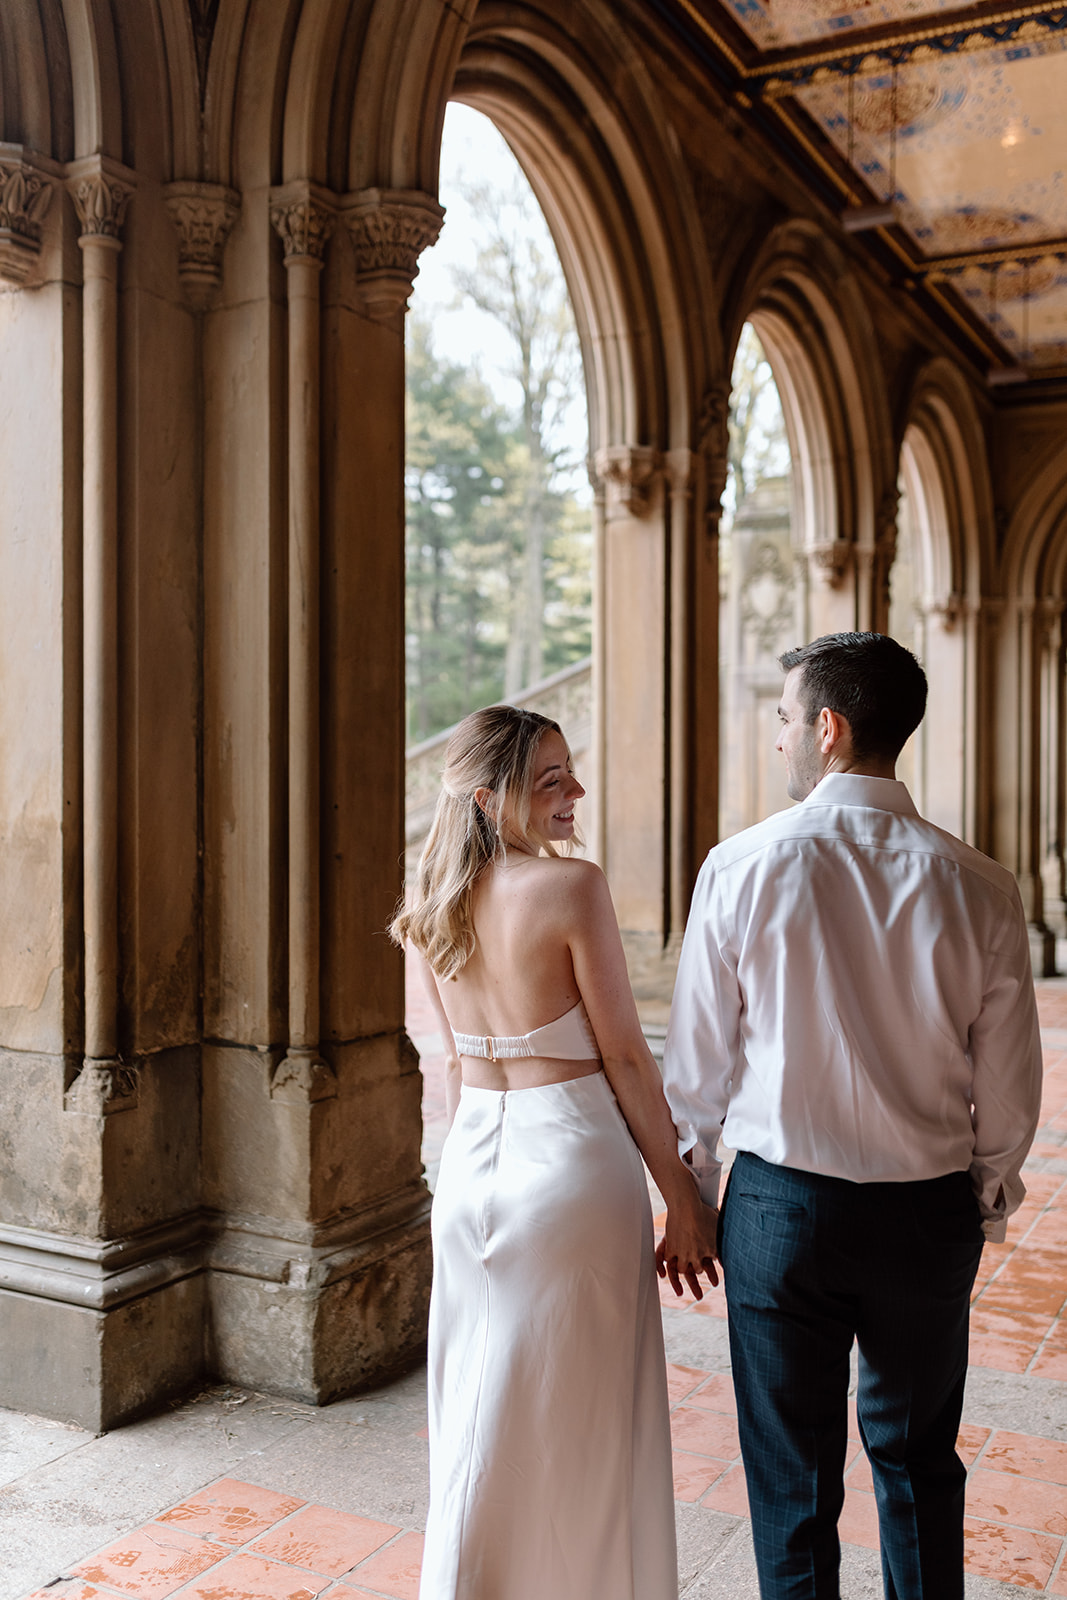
(688, 1245)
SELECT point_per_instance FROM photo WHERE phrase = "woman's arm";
(453, 1072)
(600, 971)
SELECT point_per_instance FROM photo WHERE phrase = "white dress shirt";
(854, 998)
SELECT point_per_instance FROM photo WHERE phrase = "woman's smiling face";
(555, 789)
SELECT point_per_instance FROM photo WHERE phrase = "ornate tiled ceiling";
(939, 129)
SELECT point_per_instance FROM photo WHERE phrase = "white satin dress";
(550, 1457)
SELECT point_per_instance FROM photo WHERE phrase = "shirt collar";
(854, 789)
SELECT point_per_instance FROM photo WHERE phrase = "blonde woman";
(550, 1465)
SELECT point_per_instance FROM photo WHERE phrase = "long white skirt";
(550, 1457)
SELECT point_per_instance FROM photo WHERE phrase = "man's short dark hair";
(867, 678)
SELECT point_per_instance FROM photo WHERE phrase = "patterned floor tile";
(230, 1512)
(330, 1542)
(394, 1571)
(151, 1562)
(248, 1577)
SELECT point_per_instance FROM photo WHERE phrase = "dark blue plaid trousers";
(809, 1264)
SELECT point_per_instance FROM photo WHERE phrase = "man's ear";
(486, 801)
(831, 728)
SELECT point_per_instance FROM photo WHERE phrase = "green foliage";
(468, 484)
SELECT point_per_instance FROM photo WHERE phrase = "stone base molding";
(320, 1316)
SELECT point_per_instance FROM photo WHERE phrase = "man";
(854, 1012)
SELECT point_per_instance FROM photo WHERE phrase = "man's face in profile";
(798, 740)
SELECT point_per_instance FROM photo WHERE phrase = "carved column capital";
(304, 215)
(830, 560)
(947, 610)
(203, 214)
(27, 182)
(101, 190)
(389, 229)
(628, 473)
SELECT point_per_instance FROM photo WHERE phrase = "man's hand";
(686, 1251)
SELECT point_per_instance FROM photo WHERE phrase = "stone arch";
(95, 78)
(618, 203)
(943, 466)
(802, 298)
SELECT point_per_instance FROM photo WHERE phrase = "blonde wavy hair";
(495, 748)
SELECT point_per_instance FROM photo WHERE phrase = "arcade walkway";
(238, 1496)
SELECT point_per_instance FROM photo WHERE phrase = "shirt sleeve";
(701, 1053)
(1005, 1051)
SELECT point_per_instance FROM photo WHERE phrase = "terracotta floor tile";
(853, 1421)
(858, 1475)
(1058, 1585)
(330, 1542)
(680, 1380)
(344, 1591)
(1026, 1454)
(1003, 1355)
(717, 1394)
(1051, 1364)
(246, 1577)
(151, 1562)
(694, 1475)
(970, 1442)
(1028, 1326)
(394, 1571)
(1024, 1502)
(858, 1523)
(707, 1433)
(231, 1512)
(1009, 1294)
(729, 1494)
(1012, 1555)
(712, 1305)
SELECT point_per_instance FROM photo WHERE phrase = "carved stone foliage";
(830, 562)
(304, 215)
(713, 428)
(302, 1077)
(628, 475)
(389, 229)
(203, 214)
(102, 1088)
(101, 192)
(25, 195)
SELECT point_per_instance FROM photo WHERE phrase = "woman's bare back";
(521, 974)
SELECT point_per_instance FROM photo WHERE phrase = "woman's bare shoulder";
(567, 883)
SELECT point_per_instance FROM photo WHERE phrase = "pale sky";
(474, 152)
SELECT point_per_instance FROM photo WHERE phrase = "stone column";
(632, 688)
(304, 216)
(1050, 822)
(101, 193)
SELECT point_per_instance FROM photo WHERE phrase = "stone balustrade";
(566, 697)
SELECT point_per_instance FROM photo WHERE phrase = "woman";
(550, 1467)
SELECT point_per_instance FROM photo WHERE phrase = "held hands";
(688, 1246)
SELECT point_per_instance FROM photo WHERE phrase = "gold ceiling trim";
(791, 69)
(999, 254)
